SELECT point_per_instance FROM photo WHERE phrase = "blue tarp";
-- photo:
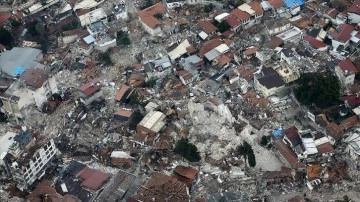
(293, 3)
(277, 132)
(18, 71)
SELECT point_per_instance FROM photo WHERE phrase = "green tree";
(251, 158)
(40, 28)
(3, 118)
(187, 150)
(247, 152)
(319, 89)
(105, 58)
(122, 38)
(150, 83)
(73, 25)
(264, 141)
(133, 99)
(5, 37)
(135, 119)
(159, 16)
(208, 8)
(148, 3)
(223, 26)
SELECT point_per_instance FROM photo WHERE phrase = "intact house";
(24, 160)
(93, 16)
(335, 16)
(178, 49)
(254, 9)
(277, 26)
(204, 29)
(287, 74)
(354, 12)
(171, 4)
(149, 19)
(90, 91)
(287, 55)
(346, 71)
(341, 36)
(34, 87)
(268, 82)
(242, 16)
(278, 6)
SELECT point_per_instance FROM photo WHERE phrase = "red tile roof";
(147, 15)
(347, 65)
(4, 17)
(208, 46)
(275, 42)
(124, 113)
(314, 42)
(241, 15)
(186, 172)
(45, 189)
(121, 92)
(325, 148)
(34, 77)
(250, 51)
(277, 3)
(332, 12)
(91, 87)
(232, 21)
(256, 7)
(352, 100)
(288, 154)
(92, 179)
(334, 130)
(354, 8)
(344, 34)
(207, 26)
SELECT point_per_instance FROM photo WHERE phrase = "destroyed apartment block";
(90, 92)
(162, 187)
(34, 87)
(25, 160)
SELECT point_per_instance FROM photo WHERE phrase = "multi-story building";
(23, 159)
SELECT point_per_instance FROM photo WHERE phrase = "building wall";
(39, 161)
(173, 4)
(277, 30)
(104, 47)
(69, 39)
(124, 15)
(265, 91)
(353, 18)
(335, 44)
(352, 153)
(346, 80)
(153, 32)
(11, 107)
(88, 100)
